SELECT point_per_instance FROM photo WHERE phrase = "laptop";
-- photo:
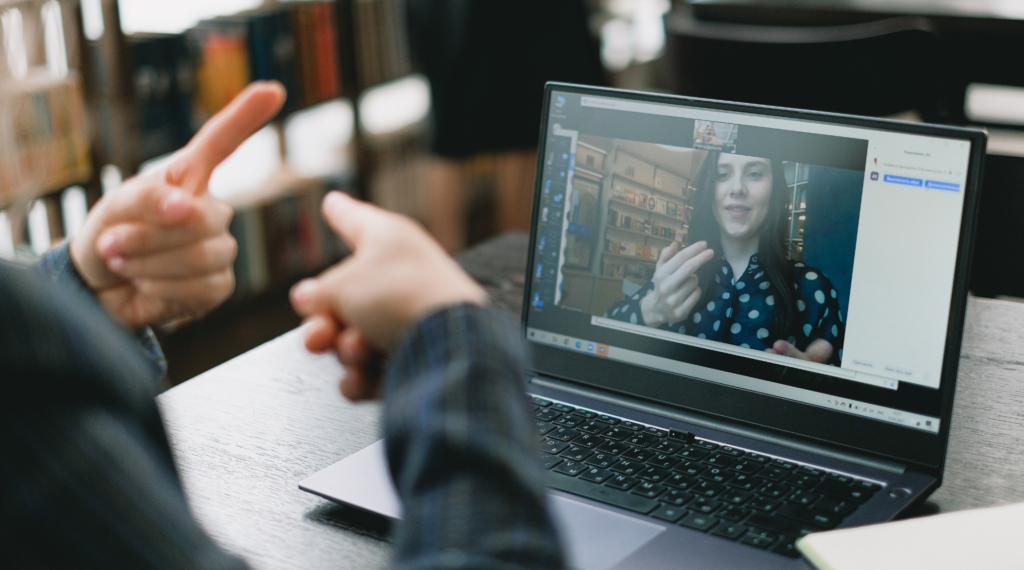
(745, 324)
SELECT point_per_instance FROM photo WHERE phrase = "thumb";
(351, 219)
(149, 199)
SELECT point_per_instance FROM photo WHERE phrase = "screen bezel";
(925, 451)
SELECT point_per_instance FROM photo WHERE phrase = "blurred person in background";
(487, 63)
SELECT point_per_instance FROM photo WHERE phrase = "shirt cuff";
(57, 265)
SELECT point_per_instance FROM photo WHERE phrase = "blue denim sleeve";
(460, 448)
(57, 265)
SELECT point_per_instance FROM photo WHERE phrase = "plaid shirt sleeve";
(460, 448)
(57, 266)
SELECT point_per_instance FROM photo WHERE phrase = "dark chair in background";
(872, 68)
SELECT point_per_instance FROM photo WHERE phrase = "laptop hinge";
(720, 425)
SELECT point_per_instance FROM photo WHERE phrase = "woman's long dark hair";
(773, 248)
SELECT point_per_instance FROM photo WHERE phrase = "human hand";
(676, 291)
(396, 276)
(819, 351)
(158, 248)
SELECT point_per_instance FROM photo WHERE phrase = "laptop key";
(669, 513)
(585, 414)
(613, 447)
(543, 427)
(596, 475)
(540, 402)
(628, 467)
(549, 461)
(733, 513)
(631, 425)
(648, 489)
(780, 525)
(575, 453)
(603, 493)
(642, 440)
(747, 466)
(680, 435)
(720, 460)
(803, 514)
(774, 473)
(732, 531)
(841, 508)
(868, 485)
(754, 540)
(611, 420)
(547, 414)
(638, 454)
(553, 447)
(786, 547)
(663, 460)
(764, 504)
(563, 434)
(680, 481)
(693, 454)
(707, 489)
(698, 521)
(602, 460)
(783, 464)
(730, 451)
(770, 489)
(843, 492)
(751, 456)
(592, 426)
(705, 444)
(768, 535)
(844, 479)
(717, 474)
(658, 433)
(667, 446)
(588, 440)
(571, 468)
(569, 421)
(691, 468)
(704, 505)
(623, 482)
(803, 480)
(654, 474)
(811, 471)
(735, 496)
(563, 408)
(676, 497)
(617, 434)
(802, 498)
(746, 482)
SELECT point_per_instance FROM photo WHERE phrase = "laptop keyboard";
(763, 501)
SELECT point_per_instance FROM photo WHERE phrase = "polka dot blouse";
(742, 310)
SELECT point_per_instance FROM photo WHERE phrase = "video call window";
(749, 251)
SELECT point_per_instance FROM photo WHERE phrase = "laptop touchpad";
(596, 539)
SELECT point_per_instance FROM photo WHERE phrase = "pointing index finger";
(221, 135)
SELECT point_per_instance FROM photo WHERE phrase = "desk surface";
(247, 432)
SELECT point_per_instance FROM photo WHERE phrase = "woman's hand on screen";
(819, 351)
(675, 291)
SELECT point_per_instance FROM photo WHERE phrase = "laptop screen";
(803, 260)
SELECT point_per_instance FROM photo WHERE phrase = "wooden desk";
(247, 432)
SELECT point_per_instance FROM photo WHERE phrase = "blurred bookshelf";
(88, 98)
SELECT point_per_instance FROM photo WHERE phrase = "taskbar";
(845, 405)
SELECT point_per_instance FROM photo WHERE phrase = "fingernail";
(116, 264)
(303, 290)
(175, 204)
(106, 245)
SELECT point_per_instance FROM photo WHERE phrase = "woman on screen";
(735, 283)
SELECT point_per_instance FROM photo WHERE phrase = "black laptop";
(745, 324)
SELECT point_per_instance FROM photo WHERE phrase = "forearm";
(460, 448)
(57, 265)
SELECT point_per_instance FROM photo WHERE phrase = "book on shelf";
(44, 144)
(163, 80)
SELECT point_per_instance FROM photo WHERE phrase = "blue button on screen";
(902, 180)
(942, 185)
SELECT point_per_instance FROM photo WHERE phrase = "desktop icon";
(602, 350)
(590, 348)
(559, 101)
(579, 344)
(874, 176)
